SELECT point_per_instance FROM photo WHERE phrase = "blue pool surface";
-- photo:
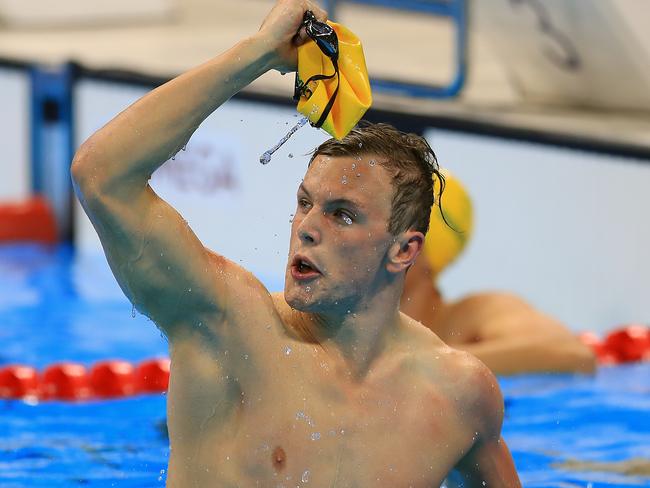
(564, 431)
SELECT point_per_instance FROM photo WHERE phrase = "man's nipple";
(279, 458)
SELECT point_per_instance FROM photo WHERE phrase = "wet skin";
(340, 390)
(274, 395)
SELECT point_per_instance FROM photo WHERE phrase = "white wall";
(568, 230)
(236, 206)
(15, 180)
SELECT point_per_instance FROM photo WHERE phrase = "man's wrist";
(265, 55)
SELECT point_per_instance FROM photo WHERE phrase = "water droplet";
(358, 175)
(308, 289)
(361, 144)
(133, 311)
(290, 155)
(372, 162)
(266, 157)
(305, 477)
(287, 350)
(347, 220)
(354, 165)
(245, 356)
(315, 436)
(344, 180)
(173, 158)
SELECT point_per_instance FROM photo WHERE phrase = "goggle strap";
(330, 103)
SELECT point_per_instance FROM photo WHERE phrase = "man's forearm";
(121, 156)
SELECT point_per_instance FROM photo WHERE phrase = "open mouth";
(302, 269)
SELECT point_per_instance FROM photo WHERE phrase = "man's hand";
(282, 30)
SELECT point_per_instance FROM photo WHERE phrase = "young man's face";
(339, 235)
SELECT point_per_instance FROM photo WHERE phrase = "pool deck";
(199, 29)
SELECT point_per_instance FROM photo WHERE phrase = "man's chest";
(383, 435)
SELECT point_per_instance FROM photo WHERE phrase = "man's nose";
(309, 230)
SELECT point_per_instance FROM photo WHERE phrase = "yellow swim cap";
(351, 88)
(442, 244)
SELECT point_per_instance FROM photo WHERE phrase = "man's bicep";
(488, 463)
(160, 264)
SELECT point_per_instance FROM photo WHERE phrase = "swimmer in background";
(500, 329)
(327, 383)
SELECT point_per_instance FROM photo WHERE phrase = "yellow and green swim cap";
(443, 244)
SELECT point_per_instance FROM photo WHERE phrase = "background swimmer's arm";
(514, 337)
(530, 353)
(158, 261)
(511, 336)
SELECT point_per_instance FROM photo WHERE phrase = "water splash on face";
(266, 157)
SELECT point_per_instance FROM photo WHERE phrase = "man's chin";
(301, 300)
(298, 302)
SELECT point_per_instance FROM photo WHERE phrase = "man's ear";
(404, 250)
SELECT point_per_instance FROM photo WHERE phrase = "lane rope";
(70, 381)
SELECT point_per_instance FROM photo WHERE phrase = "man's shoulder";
(477, 393)
(466, 381)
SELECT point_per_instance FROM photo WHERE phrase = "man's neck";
(355, 339)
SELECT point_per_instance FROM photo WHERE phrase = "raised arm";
(158, 261)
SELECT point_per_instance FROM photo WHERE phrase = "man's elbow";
(83, 170)
(92, 177)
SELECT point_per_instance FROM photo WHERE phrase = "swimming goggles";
(326, 39)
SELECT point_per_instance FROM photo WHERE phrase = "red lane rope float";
(626, 344)
(73, 382)
(117, 378)
(31, 220)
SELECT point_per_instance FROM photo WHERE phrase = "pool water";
(564, 431)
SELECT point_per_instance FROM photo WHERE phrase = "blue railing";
(456, 11)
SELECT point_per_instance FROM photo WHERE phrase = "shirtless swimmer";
(328, 384)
